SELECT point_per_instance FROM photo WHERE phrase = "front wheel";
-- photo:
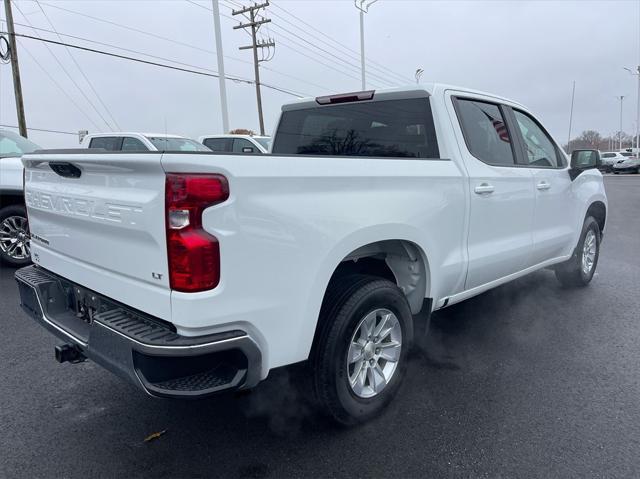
(579, 270)
(361, 354)
(14, 236)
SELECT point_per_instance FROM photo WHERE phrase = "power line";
(262, 66)
(353, 53)
(117, 47)
(80, 68)
(143, 32)
(334, 56)
(160, 37)
(286, 45)
(55, 82)
(147, 62)
(332, 66)
(42, 129)
(75, 83)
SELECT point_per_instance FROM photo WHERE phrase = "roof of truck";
(401, 92)
(135, 133)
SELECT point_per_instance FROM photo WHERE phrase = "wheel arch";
(598, 210)
(11, 198)
(402, 261)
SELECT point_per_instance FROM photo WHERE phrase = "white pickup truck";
(195, 273)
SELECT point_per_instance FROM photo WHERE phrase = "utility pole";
(621, 97)
(221, 79)
(363, 6)
(15, 69)
(255, 24)
(573, 95)
(637, 107)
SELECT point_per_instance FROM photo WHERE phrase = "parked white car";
(237, 143)
(610, 158)
(131, 141)
(14, 227)
(628, 164)
(191, 274)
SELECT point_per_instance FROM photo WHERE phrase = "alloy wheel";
(14, 237)
(374, 352)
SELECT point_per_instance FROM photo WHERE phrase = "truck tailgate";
(98, 220)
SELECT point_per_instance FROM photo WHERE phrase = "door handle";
(543, 185)
(483, 189)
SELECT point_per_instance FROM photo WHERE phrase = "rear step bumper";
(142, 349)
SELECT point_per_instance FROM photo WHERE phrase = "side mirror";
(582, 160)
(247, 149)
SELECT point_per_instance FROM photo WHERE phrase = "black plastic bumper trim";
(113, 335)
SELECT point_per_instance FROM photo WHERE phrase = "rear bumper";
(137, 347)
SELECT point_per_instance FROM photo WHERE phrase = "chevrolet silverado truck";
(194, 273)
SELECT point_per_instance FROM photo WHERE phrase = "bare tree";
(242, 131)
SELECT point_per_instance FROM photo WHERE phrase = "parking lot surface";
(527, 380)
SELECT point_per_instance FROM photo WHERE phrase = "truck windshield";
(386, 128)
(14, 145)
(176, 144)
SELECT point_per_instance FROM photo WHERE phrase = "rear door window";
(240, 145)
(386, 128)
(485, 132)
(110, 143)
(133, 144)
(218, 144)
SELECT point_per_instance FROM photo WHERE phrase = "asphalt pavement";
(527, 380)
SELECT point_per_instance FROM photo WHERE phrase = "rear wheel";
(361, 354)
(14, 236)
(579, 270)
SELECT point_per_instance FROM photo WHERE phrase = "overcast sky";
(530, 51)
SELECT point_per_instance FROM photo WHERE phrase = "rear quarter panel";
(290, 221)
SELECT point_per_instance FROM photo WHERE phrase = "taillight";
(193, 254)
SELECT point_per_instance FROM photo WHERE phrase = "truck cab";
(131, 142)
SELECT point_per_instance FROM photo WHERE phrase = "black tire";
(7, 212)
(571, 273)
(347, 302)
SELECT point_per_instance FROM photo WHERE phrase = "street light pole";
(573, 96)
(363, 6)
(621, 98)
(637, 107)
(221, 78)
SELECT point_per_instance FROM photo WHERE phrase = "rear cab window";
(401, 128)
(109, 143)
(218, 144)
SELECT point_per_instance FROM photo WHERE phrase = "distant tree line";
(591, 139)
